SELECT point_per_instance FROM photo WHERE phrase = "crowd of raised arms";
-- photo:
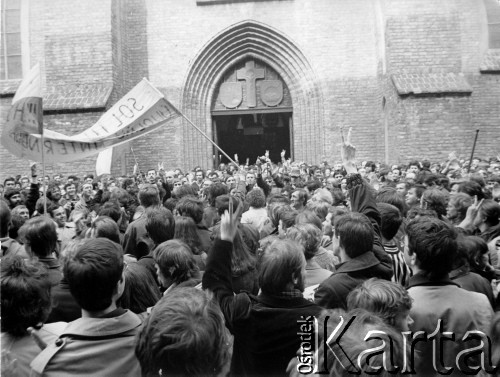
(222, 272)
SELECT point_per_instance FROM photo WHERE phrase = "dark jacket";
(332, 293)
(64, 306)
(473, 282)
(264, 327)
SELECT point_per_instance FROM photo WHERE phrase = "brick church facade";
(414, 78)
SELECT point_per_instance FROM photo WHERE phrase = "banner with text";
(143, 110)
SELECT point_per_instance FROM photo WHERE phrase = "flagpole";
(472, 153)
(210, 140)
(43, 178)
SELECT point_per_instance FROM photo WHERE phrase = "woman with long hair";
(186, 231)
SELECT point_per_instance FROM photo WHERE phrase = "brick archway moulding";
(242, 41)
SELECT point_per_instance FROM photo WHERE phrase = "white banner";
(143, 110)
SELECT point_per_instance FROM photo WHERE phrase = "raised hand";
(347, 150)
(236, 157)
(229, 222)
(473, 209)
(283, 153)
(267, 154)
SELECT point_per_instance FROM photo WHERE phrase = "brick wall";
(349, 50)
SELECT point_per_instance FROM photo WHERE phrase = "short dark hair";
(471, 188)
(25, 294)
(391, 220)
(281, 260)
(461, 202)
(111, 209)
(11, 191)
(215, 190)
(355, 233)
(490, 210)
(41, 235)
(176, 254)
(390, 195)
(160, 224)
(222, 204)
(141, 290)
(149, 195)
(93, 273)
(106, 227)
(435, 244)
(184, 335)
(192, 207)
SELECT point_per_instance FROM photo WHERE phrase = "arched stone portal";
(246, 41)
(252, 113)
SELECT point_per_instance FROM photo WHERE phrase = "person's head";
(309, 217)
(111, 209)
(475, 251)
(199, 176)
(70, 189)
(54, 192)
(319, 208)
(192, 207)
(40, 236)
(472, 189)
(299, 199)
(5, 217)
(13, 195)
(322, 195)
(457, 207)
(308, 236)
(21, 211)
(141, 290)
(402, 188)
(186, 231)
(256, 198)
(250, 178)
(9, 183)
(160, 224)
(149, 195)
(414, 195)
(355, 235)
(282, 267)
(58, 214)
(390, 195)
(414, 166)
(105, 227)
(388, 300)
(215, 190)
(436, 200)
(87, 189)
(25, 298)
(488, 215)
(430, 247)
(151, 176)
(391, 220)
(94, 274)
(175, 263)
(185, 335)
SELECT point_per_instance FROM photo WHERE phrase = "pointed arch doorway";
(252, 113)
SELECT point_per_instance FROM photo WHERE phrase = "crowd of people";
(249, 270)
